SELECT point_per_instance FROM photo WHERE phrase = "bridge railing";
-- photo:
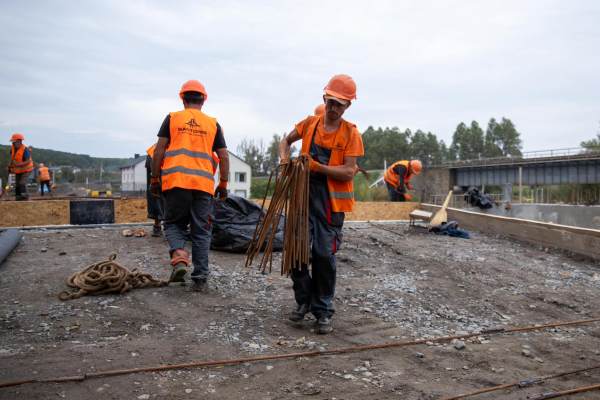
(549, 155)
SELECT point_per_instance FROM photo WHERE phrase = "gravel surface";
(391, 288)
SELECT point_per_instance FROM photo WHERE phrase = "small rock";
(44, 250)
(459, 345)
(144, 396)
(349, 376)
(269, 367)
(300, 341)
(538, 360)
(420, 355)
(64, 253)
(526, 353)
(188, 391)
(465, 367)
(582, 357)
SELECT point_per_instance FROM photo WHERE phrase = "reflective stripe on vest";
(391, 177)
(44, 174)
(18, 157)
(188, 161)
(341, 193)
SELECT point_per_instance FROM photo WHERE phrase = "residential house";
(240, 176)
(133, 174)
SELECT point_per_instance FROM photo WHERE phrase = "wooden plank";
(577, 240)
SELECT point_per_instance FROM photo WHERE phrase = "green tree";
(252, 151)
(390, 145)
(502, 139)
(426, 148)
(272, 154)
(592, 144)
(467, 142)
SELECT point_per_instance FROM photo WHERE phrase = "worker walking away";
(397, 177)
(183, 159)
(21, 164)
(333, 145)
(44, 178)
(155, 206)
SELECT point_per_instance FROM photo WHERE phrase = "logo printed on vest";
(338, 147)
(191, 130)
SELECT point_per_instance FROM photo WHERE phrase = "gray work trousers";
(325, 228)
(21, 192)
(193, 207)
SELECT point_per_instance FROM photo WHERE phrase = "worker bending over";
(183, 159)
(44, 178)
(397, 177)
(333, 145)
(21, 164)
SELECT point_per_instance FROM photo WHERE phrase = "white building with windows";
(133, 174)
(240, 176)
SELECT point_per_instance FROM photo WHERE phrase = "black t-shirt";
(165, 131)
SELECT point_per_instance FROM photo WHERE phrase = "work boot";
(179, 271)
(323, 326)
(200, 284)
(299, 313)
(156, 231)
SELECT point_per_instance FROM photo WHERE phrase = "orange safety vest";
(393, 178)
(341, 193)
(18, 157)
(188, 162)
(44, 174)
(215, 158)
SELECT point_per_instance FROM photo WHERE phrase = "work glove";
(407, 196)
(155, 188)
(221, 191)
(314, 165)
(409, 187)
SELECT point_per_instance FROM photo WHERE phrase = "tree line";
(469, 142)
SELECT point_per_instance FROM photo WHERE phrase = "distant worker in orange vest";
(397, 177)
(333, 144)
(21, 164)
(183, 160)
(44, 178)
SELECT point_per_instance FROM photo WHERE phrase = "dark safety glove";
(221, 191)
(155, 188)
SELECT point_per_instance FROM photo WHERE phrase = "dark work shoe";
(156, 231)
(179, 271)
(323, 326)
(299, 313)
(200, 284)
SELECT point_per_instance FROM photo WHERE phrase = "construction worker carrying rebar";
(44, 178)
(397, 177)
(183, 159)
(21, 164)
(333, 145)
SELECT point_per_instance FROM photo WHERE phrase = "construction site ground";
(390, 288)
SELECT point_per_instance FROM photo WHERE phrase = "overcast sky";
(99, 77)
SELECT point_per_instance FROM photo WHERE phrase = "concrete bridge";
(550, 167)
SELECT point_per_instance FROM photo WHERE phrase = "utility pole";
(101, 165)
(520, 185)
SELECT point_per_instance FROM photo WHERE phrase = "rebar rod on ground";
(291, 355)
(558, 394)
(519, 383)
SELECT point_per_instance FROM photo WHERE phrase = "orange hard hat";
(407, 197)
(17, 136)
(193, 86)
(342, 87)
(416, 166)
(320, 110)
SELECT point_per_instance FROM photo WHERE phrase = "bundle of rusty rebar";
(290, 201)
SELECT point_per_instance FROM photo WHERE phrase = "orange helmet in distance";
(17, 136)
(342, 87)
(320, 110)
(193, 86)
(416, 166)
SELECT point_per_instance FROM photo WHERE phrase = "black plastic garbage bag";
(476, 199)
(234, 224)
